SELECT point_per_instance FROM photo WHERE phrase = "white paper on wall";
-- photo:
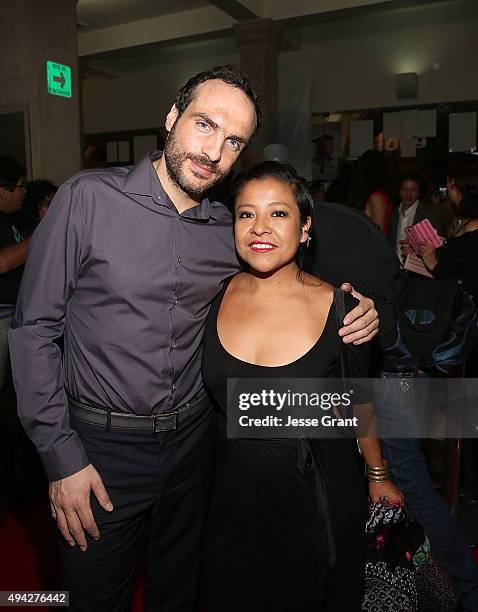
(409, 123)
(143, 145)
(462, 132)
(427, 123)
(361, 137)
(112, 152)
(391, 125)
(408, 147)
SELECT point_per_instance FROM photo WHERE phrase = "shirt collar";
(407, 212)
(143, 180)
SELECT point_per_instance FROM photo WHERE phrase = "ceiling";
(96, 14)
(115, 36)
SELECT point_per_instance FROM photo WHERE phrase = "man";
(125, 266)
(13, 251)
(324, 164)
(411, 211)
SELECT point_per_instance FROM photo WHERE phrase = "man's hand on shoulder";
(361, 323)
(70, 505)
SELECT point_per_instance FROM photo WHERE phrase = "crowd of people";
(130, 297)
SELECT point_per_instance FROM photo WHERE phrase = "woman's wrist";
(377, 473)
(430, 262)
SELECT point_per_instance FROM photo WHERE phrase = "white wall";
(352, 65)
(356, 71)
(38, 32)
(141, 99)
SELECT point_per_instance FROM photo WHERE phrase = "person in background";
(324, 164)
(317, 191)
(412, 210)
(371, 188)
(38, 197)
(439, 200)
(13, 251)
(407, 462)
(339, 190)
(458, 259)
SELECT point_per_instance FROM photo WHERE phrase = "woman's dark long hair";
(370, 174)
(463, 169)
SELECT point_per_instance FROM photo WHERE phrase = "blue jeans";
(410, 473)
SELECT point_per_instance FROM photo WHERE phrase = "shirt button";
(179, 260)
(176, 300)
(173, 387)
(173, 344)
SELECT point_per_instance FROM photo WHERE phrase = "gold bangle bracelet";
(378, 473)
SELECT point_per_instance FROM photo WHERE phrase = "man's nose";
(212, 147)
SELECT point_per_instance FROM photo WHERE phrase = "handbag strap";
(340, 312)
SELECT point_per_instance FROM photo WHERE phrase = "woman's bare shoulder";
(317, 285)
(471, 226)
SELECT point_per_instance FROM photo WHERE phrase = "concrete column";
(33, 32)
(258, 43)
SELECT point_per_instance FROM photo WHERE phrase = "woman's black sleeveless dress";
(274, 530)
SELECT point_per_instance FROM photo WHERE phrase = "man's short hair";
(415, 175)
(227, 73)
(10, 172)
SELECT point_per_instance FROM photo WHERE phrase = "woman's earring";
(307, 244)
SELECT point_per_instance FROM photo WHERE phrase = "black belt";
(154, 423)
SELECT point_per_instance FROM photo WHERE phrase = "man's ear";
(171, 117)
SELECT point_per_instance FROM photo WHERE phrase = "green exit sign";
(58, 79)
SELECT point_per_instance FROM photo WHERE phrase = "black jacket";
(424, 211)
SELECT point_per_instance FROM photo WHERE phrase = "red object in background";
(28, 552)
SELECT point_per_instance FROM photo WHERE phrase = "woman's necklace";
(458, 224)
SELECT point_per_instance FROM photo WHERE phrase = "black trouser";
(160, 482)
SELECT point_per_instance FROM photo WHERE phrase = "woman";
(274, 530)
(371, 188)
(458, 259)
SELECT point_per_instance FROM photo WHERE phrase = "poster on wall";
(326, 151)
(462, 132)
(361, 137)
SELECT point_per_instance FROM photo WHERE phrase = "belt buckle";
(165, 422)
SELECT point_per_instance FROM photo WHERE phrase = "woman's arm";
(428, 255)
(372, 454)
(357, 365)
(379, 483)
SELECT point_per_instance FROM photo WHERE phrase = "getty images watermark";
(285, 401)
(389, 406)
